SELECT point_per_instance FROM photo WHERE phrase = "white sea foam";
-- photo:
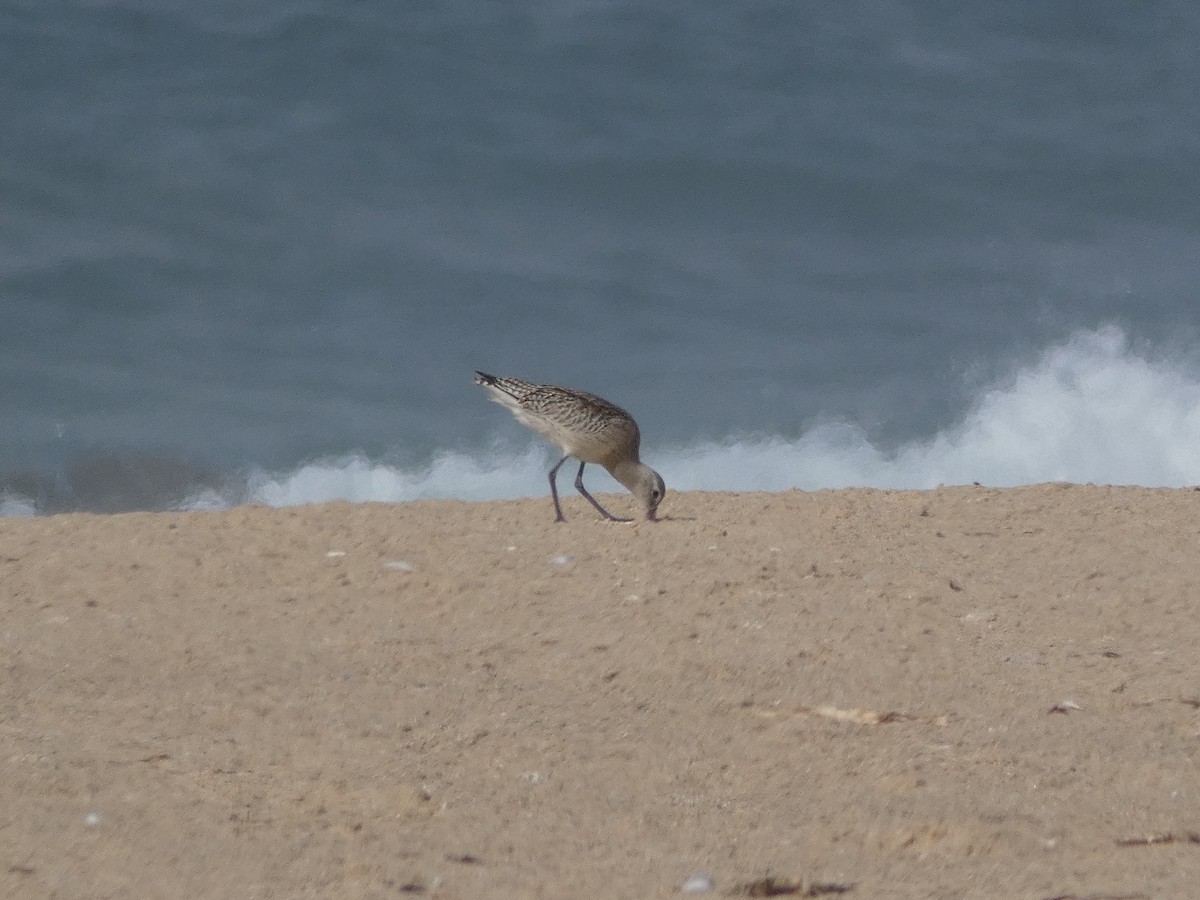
(451, 475)
(1090, 409)
(12, 505)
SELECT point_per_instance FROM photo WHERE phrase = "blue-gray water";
(254, 250)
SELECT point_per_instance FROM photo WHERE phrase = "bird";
(584, 426)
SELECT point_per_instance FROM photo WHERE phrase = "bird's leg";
(558, 516)
(592, 500)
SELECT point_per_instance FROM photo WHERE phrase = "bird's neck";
(627, 472)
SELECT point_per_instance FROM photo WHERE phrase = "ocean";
(253, 252)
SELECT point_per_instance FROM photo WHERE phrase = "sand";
(965, 692)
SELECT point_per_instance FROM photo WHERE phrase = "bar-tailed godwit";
(586, 427)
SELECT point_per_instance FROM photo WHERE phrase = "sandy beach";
(966, 692)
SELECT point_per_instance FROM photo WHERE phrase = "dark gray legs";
(592, 500)
(558, 516)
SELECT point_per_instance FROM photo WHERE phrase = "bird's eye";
(656, 494)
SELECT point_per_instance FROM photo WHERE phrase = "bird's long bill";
(651, 516)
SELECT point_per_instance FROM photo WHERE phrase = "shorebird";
(586, 427)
